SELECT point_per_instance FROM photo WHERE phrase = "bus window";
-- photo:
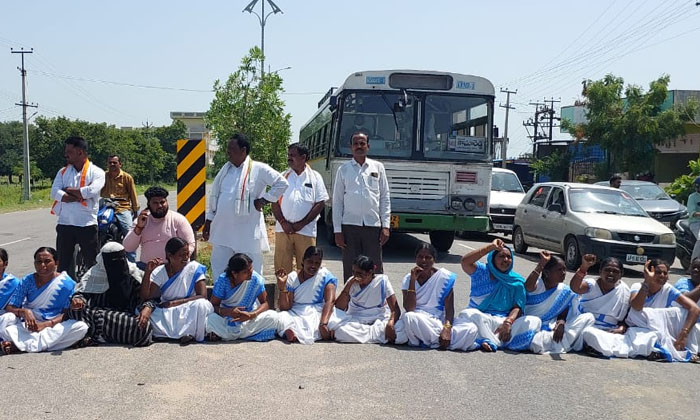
(390, 133)
(455, 127)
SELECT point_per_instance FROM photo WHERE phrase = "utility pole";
(534, 122)
(504, 144)
(262, 17)
(147, 129)
(550, 112)
(26, 186)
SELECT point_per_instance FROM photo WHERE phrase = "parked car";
(506, 193)
(576, 219)
(654, 201)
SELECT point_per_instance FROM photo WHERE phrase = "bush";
(682, 186)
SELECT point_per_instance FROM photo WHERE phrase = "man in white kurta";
(234, 221)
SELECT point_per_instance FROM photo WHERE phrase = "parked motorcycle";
(108, 226)
(685, 241)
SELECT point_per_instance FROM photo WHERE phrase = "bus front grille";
(418, 185)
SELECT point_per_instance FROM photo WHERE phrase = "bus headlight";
(667, 239)
(456, 203)
(469, 204)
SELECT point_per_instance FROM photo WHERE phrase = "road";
(330, 380)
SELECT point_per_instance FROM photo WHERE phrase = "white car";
(506, 193)
(577, 219)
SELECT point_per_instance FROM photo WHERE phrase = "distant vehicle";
(654, 201)
(431, 130)
(685, 242)
(577, 219)
(506, 193)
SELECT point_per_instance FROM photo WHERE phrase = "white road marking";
(467, 246)
(14, 242)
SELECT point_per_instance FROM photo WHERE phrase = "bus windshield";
(390, 131)
(456, 127)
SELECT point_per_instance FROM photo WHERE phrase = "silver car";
(653, 200)
(577, 219)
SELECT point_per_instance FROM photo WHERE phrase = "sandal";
(212, 337)
(7, 348)
(186, 339)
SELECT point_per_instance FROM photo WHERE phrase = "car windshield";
(506, 181)
(645, 192)
(604, 201)
(456, 128)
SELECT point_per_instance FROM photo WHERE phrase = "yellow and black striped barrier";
(191, 181)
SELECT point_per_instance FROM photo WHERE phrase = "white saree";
(548, 305)
(304, 316)
(368, 313)
(245, 297)
(189, 318)
(654, 328)
(422, 326)
(46, 302)
(607, 309)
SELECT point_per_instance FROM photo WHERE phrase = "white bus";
(431, 130)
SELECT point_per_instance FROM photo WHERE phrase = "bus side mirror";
(333, 102)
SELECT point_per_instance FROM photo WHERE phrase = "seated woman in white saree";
(182, 288)
(605, 299)
(549, 299)
(658, 328)
(690, 287)
(8, 286)
(240, 304)
(428, 299)
(497, 300)
(370, 303)
(41, 301)
(306, 301)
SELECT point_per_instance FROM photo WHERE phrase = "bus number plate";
(394, 222)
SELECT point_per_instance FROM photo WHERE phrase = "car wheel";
(573, 254)
(519, 241)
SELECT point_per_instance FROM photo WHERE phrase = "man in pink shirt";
(155, 226)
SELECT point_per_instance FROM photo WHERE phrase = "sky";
(542, 48)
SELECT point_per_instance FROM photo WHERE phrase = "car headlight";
(598, 233)
(667, 239)
(456, 203)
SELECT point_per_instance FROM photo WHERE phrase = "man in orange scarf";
(76, 190)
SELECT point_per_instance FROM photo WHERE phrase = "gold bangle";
(411, 290)
(447, 325)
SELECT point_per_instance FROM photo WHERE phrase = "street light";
(262, 17)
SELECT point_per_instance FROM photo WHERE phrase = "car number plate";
(394, 221)
(667, 224)
(636, 258)
(501, 226)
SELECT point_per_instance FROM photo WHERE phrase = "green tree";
(250, 103)
(168, 136)
(11, 148)
(555, 165)
(628, 122)
(683, 186)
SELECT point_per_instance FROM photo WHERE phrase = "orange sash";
(83, 175)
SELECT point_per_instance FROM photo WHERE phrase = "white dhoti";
(58, 337)
(421, 329)
(187, 319)
(304, 320)
(220, 255)
(261, 328)
(521, 333)
(543, 342)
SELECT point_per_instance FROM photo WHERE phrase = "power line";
(110, 82)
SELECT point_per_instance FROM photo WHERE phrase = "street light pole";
(262, 18)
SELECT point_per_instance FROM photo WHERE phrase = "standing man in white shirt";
(298, 209)
(234, 221)
(361, 206)
(76, 190)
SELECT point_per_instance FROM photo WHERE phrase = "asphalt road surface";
(330, 380)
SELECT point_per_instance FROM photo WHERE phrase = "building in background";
(674, 155)
(197, 130)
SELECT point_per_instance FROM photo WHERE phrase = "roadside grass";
(11, 196)
(204, 257)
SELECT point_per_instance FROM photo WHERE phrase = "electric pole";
(550, 112)
(262, 17)
(504, 144)
(147, 130)
(534, 122)
(26, 186)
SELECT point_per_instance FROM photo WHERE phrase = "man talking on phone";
(155, 225)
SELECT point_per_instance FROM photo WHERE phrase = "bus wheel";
(442, 239)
